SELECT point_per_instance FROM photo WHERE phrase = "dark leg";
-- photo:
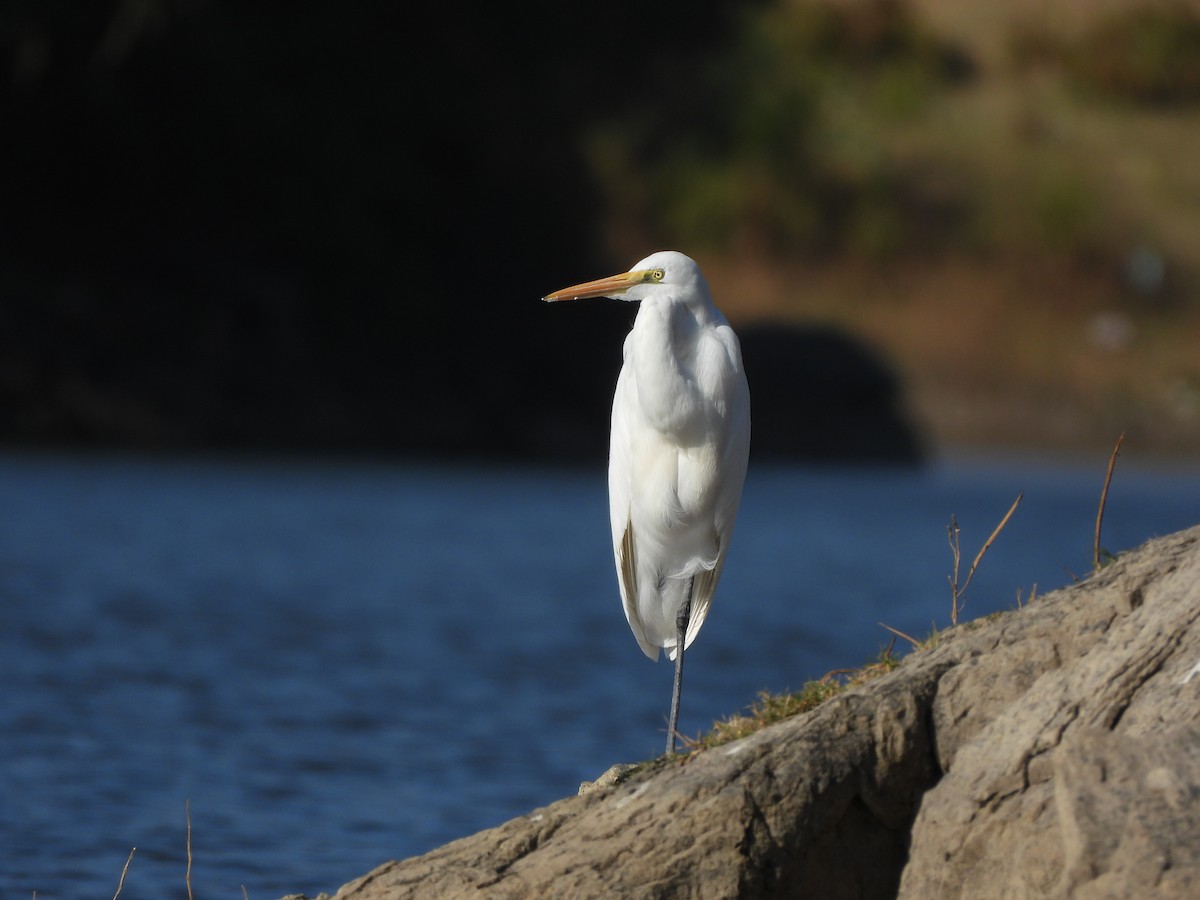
(681, 624)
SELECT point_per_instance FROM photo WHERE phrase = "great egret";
(677, 453)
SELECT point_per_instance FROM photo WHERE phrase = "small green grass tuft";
(771, 708)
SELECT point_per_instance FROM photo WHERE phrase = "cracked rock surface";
(1071, 744)
(1051, 752)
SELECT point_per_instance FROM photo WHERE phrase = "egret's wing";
(730, 393)
(626, 555)
(620, 497)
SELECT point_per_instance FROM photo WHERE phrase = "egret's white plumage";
(678, 449)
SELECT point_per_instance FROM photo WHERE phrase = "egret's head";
(665, 272)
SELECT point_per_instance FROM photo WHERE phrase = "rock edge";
(1053, 751)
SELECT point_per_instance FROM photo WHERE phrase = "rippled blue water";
(340, 664)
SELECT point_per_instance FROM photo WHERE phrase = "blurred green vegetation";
(779, 144)
(1139, 55)
(829, 128)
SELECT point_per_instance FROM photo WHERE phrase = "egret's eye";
(657, 274)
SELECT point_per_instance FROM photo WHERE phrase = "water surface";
(341, 664)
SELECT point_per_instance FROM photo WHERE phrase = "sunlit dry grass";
(772, 708)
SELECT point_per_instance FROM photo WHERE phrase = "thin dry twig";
(124, 872)
(834, 673)
(912, 640)
(991, 538)
(187, 877)
(891, 648)
(1112, 462)
(952, 533)
(245, 896)
(957, 592)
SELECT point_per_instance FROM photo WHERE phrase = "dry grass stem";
(1029, 600)
(187, 877)
(956, 590)
(1112, 462)
(912, 640)
(124, 872)
(991, 539)
(952, 534)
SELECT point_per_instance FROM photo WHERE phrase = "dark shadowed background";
(285, 226)
(293, 227)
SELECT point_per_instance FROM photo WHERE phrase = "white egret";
(677, 453)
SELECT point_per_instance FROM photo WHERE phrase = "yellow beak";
(612, 286)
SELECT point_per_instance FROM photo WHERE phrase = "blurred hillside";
(1003, 197)
(284, 225)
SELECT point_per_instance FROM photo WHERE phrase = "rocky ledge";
(1052, 751)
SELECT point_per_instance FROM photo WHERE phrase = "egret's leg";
(681, 625)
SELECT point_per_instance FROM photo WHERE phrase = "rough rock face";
(1070, 740)
(1051, 752)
